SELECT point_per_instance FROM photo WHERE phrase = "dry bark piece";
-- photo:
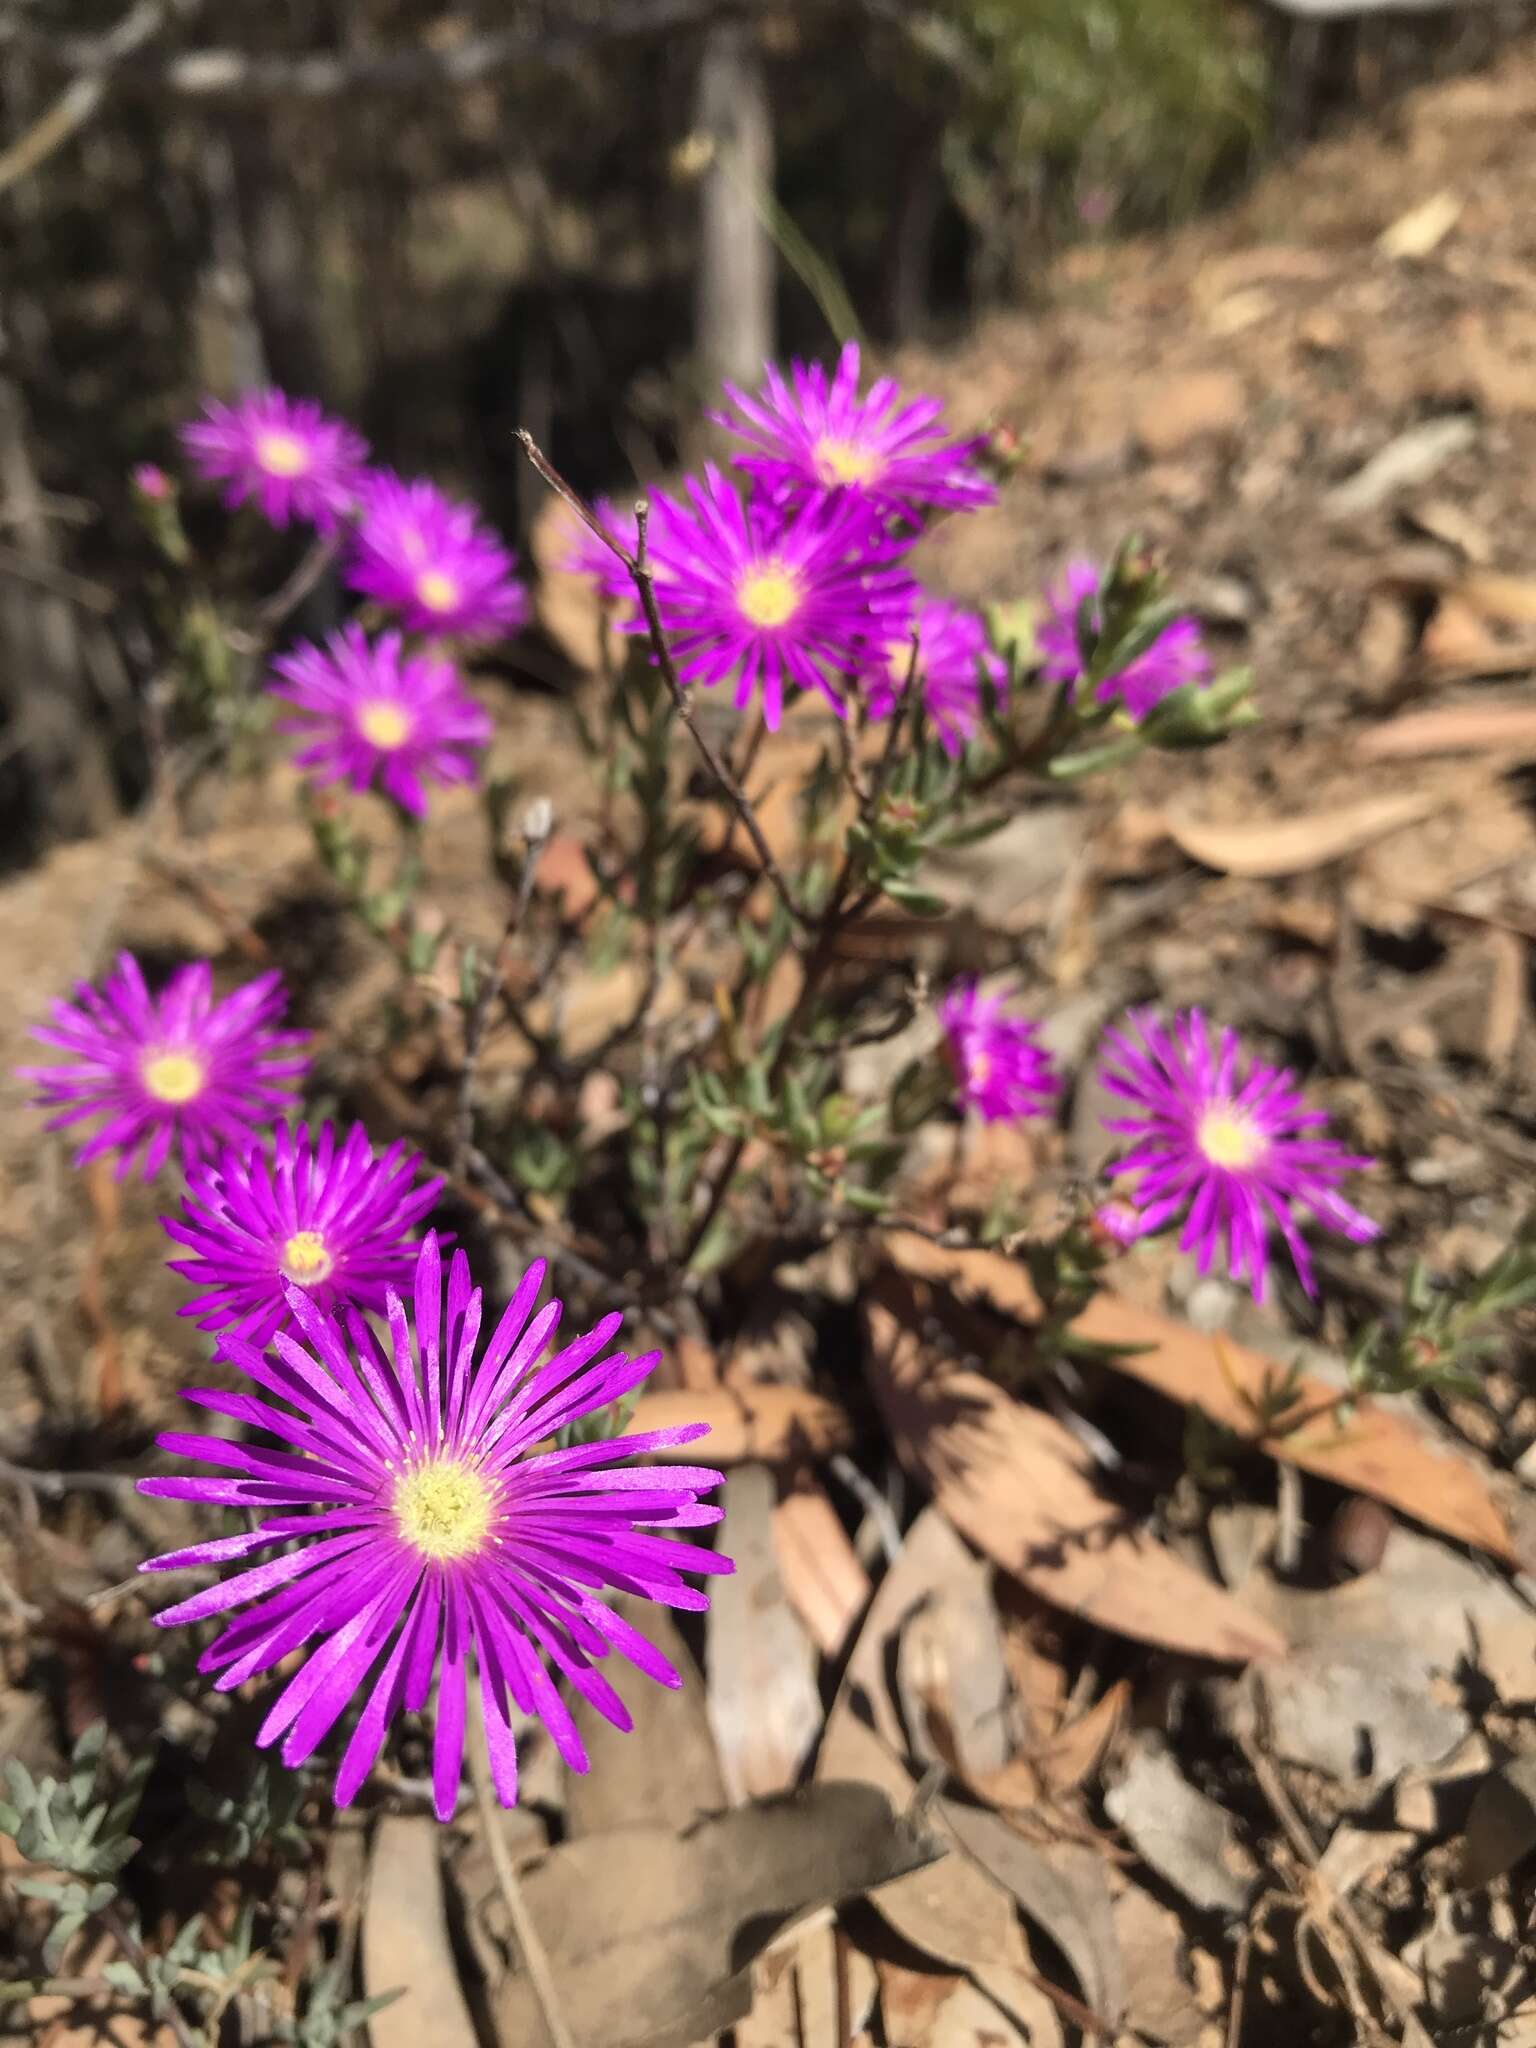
(1185, 1837)
(406, 1941)
(763, 1701)
(1017, 1484)
(665, 1772)
(1384, 1451)
(778, 1424)
(651, 1935)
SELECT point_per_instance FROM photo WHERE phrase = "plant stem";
(529, 1941)
(644, 582)
(118, 1926)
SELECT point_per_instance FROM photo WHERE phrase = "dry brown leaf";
(827, 1585)
(1151, 1942)
(1452, 729)
(1458, 645)
(651, 1936)
(1510, 598)
(1383, 1451)
(1017, 1484)
(406, 1942)
(1062, 1764)
(1290, 846)
(949, 1910)
(777, 1424)
(764, 1704)
(1063, 1887)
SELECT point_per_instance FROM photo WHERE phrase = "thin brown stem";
(644, 581)
(118, 1926)
(530, 1942)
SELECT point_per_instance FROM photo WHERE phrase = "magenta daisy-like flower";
(1227, 1143)
(1001, 1069)
(427, 557)
(769, 594)
(371, 713)
(417, 1524)
(285, 454)
(177, 1068)
(1176, 657)
(814, 433)
(952, 656)
(337, 1221)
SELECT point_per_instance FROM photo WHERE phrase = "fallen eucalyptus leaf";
(651, 1935)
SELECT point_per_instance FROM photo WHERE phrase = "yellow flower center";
(1229, 1138)
(845, 462)
(768, 596)
(384, 725)
(282, 454)
(439, 593)
(443, 1509)
(174, 1076)
(306, 1258)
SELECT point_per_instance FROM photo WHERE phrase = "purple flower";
(1175, 657)
(151, 482)
(1118, 1222)
(952, 656)
(431, 1528)
(371, 713)
(1001, 1070)
(285, 453)
(816, 434)
(174, 1068)
(588, 556)
(770, 594)
(428, 557)
(1227, 1143)
(301, 1213)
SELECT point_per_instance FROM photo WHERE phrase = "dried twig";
(640, 571)
(95, 62)
(529, 1941)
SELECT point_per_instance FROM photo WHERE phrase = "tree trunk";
(734, 303)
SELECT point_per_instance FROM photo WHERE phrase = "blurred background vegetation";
(450, 220)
